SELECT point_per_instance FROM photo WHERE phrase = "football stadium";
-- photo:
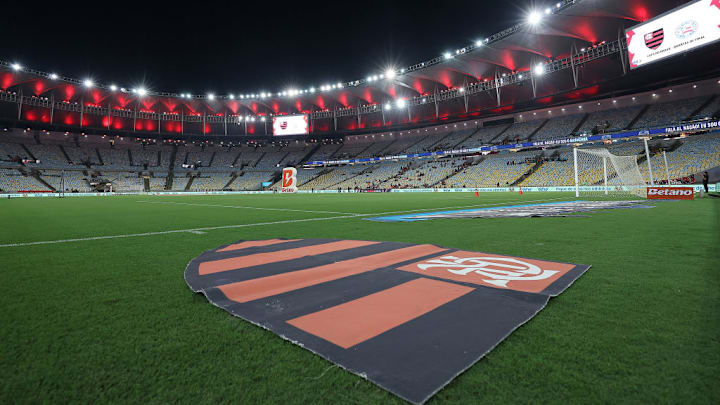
(529, 216)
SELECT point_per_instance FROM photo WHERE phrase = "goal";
(599, 173)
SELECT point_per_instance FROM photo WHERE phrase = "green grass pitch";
(112, 320)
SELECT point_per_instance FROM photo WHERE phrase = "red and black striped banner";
(407, 317)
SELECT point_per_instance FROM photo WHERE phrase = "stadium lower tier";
(536, 168)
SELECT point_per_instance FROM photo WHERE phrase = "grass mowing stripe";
(200, 230)
(249, 208)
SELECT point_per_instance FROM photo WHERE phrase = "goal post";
(599, 173)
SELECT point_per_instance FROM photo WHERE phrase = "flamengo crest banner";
(409, 318)
(677, 31)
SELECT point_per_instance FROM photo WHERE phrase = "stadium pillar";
(437, 109)
(621, 37)
(575, 164)
(497, 88)
(135, 117)
(382, 110)
(52, 106)
(225, 124)
(358, 117)
(667, 170)
(410, 116)
(647, 154)
(573, 51)
(20, 105)
(203, 125)
(335, 118)
(182, 121)
(605, 174)
(82, 110)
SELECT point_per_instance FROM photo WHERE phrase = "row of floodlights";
(534, 18)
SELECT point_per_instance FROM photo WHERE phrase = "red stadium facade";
(575, 51)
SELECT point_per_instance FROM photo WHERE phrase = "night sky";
(241, 47)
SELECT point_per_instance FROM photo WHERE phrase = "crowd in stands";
(35, 162)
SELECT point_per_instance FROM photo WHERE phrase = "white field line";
(289, 221)
(243, 207)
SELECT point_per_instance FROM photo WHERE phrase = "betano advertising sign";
(677, 31)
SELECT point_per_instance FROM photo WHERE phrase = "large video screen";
(677, 31)
(291, 125)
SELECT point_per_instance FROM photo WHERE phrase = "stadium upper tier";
(40, 160)
(573, 49)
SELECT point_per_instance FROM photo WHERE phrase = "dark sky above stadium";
(241, 47)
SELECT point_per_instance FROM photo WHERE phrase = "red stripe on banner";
(255, 243)
(250, 290)
(357, 321)
(257, 259)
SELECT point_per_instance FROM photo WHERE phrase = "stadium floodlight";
(16, 66)
(262, 119)
(401, 103)
(340, 85)
(142, 91)
(390, 73)
(88, 83)
(53, 76)
(534, 18)
(461, 89)
(448, 55)
(312, 90)
(211, 96)
(548, 10)
(232, 96)
(520, 76)
(375, 77)
(113, 87)
(539, 70)
(388, 106)
(479, 43)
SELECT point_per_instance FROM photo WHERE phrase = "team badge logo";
(687, 29)
(283, 125)
(654, 39)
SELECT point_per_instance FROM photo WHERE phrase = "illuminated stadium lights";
(534, 18)
(53, 76)
(520, 76)
(211, 96)
(312, 90)
(113, 87)
(340, 85)
(461, 89)
(232, 96)
(479, 43)
(539, 70)
(400, 103)
(390, 73)
(548, 11)
(16, 67)
(447, 55)
(88, 83)
(388, 106)
(141, 91)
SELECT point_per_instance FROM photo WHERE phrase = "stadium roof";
(559, 31)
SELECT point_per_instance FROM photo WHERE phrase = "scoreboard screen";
(679, 30)
(290, 125)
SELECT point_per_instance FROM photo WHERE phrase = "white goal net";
(599, 173)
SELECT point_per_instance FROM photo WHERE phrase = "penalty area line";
(199, 231)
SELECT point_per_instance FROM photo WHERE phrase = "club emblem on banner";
(654, 39)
